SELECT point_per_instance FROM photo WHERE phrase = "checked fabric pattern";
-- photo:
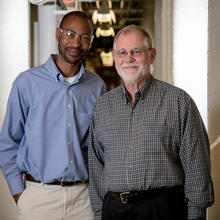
(159, 141)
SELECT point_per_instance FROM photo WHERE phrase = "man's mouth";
(73, 51)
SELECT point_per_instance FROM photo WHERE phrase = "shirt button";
(71, 161)
(130, 166)
(69, 143)
(68, 124)
(68, 105)
(131, 147)
(132, 129)
(132, 186)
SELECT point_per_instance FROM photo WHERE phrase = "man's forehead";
(127, 37)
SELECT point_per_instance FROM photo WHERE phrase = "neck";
(133, 87)
(67, 69)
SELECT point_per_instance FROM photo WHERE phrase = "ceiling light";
(105, 32)
(103, 15)
(107, 58)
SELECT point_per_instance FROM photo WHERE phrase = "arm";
(10, 137)
(103, 89)
(195, 158)
(96, 166)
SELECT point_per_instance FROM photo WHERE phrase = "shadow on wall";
(7, 204)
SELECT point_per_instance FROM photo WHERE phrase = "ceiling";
(126, 12)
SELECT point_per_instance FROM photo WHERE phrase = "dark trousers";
(158, 205)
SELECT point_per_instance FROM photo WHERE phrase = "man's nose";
(130, 57)
(76, 42)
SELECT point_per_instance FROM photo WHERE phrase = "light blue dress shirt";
(45, 131)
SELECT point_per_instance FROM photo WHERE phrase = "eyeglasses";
(135, 52)
(70, 35)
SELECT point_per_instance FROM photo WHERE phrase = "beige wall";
(14, 58)
(163, 18)
(214, 100)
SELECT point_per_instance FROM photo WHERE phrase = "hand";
(16, 197)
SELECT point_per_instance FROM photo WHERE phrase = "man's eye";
(122, 53)
(136, 52)
(85, 38)
(70, 34)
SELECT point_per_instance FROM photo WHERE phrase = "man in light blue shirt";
(45, 132)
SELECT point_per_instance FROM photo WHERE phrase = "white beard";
(132, 76)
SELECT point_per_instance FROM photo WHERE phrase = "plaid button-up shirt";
(158, 141)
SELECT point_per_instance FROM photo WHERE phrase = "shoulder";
(93, 77)
(27, 76)
(170, 90)
(109, 100)
(111, 95)
(174, 97)
(22, 78)
(105, 104)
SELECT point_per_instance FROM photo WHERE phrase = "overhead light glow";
(107, 58)
(103, 15)
(105, 32)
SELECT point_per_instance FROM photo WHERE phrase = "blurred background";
(187, 39)
(108, 18)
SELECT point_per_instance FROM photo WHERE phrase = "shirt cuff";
(16, 184)
(196, 213)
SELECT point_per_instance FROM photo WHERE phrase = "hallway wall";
(14, 58)
(214, 100)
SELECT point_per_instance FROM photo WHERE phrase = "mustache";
(129, 65)
(74, 48)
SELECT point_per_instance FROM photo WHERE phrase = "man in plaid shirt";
(149, 153)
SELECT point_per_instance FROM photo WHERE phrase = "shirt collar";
(145, 88)
(56, 74)
(80, 74)
(142, 92)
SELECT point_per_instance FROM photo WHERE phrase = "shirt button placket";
(131, 151)
(69, 131)
(132, 186)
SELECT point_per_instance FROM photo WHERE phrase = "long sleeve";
(168, 146)
(45, 112)
(11, 135)
(195, 158)
(96, 166)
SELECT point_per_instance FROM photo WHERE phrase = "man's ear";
(90, 45)
(153, 55)
(57, 34)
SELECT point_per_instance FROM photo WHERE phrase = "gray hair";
(131, 28)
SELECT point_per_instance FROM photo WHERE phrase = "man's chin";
(72, 60)
(130, 79)
(126, 78)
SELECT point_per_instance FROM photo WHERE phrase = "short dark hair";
(77, 14)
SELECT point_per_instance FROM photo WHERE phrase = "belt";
(134, 196)
(30, 178)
